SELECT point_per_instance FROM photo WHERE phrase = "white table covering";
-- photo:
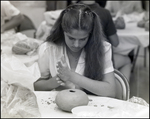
(27, 60)
(130, 38)
(134, 31)
(7, 42)
(48, 107)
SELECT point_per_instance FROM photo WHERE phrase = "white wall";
(61, 4)
(33, 9)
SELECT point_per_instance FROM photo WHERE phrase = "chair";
(123, 88)
(134, 57)
(26, 24)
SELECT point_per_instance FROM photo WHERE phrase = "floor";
(139, 80)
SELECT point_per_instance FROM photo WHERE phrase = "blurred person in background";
(10, 16)
(144, 22)
(119, 8)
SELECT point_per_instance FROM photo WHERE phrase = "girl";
(76, 55)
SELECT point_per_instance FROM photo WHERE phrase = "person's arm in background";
(12, 23)
(114, 40)
(12, 15)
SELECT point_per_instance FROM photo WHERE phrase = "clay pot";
(67, 99)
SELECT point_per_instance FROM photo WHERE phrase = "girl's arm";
(46, 84)
(103, 88)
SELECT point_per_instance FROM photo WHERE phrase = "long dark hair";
(80, 17)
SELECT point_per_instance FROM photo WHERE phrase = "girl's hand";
(60, 81)
(67, 84)
(64, 73)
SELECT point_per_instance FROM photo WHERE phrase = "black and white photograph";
(75, 59)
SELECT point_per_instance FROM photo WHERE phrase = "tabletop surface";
(136, 35)
(130, 38)
(132, 29)
(108, 107)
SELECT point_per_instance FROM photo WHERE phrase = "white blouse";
(50, 54)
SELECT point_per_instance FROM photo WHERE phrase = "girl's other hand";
(63, 71)
(60, 81)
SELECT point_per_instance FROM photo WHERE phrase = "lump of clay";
(67, 99)
(144, 23)
(119, 23)
(141, 24)
(24, 46)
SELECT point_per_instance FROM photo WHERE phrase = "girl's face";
(76, 40)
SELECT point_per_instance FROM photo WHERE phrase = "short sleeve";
(43, 61)
(108, 65)
(110, 27)
(9, 9)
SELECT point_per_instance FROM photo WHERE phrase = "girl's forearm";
(45, 84)
(101, 88)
